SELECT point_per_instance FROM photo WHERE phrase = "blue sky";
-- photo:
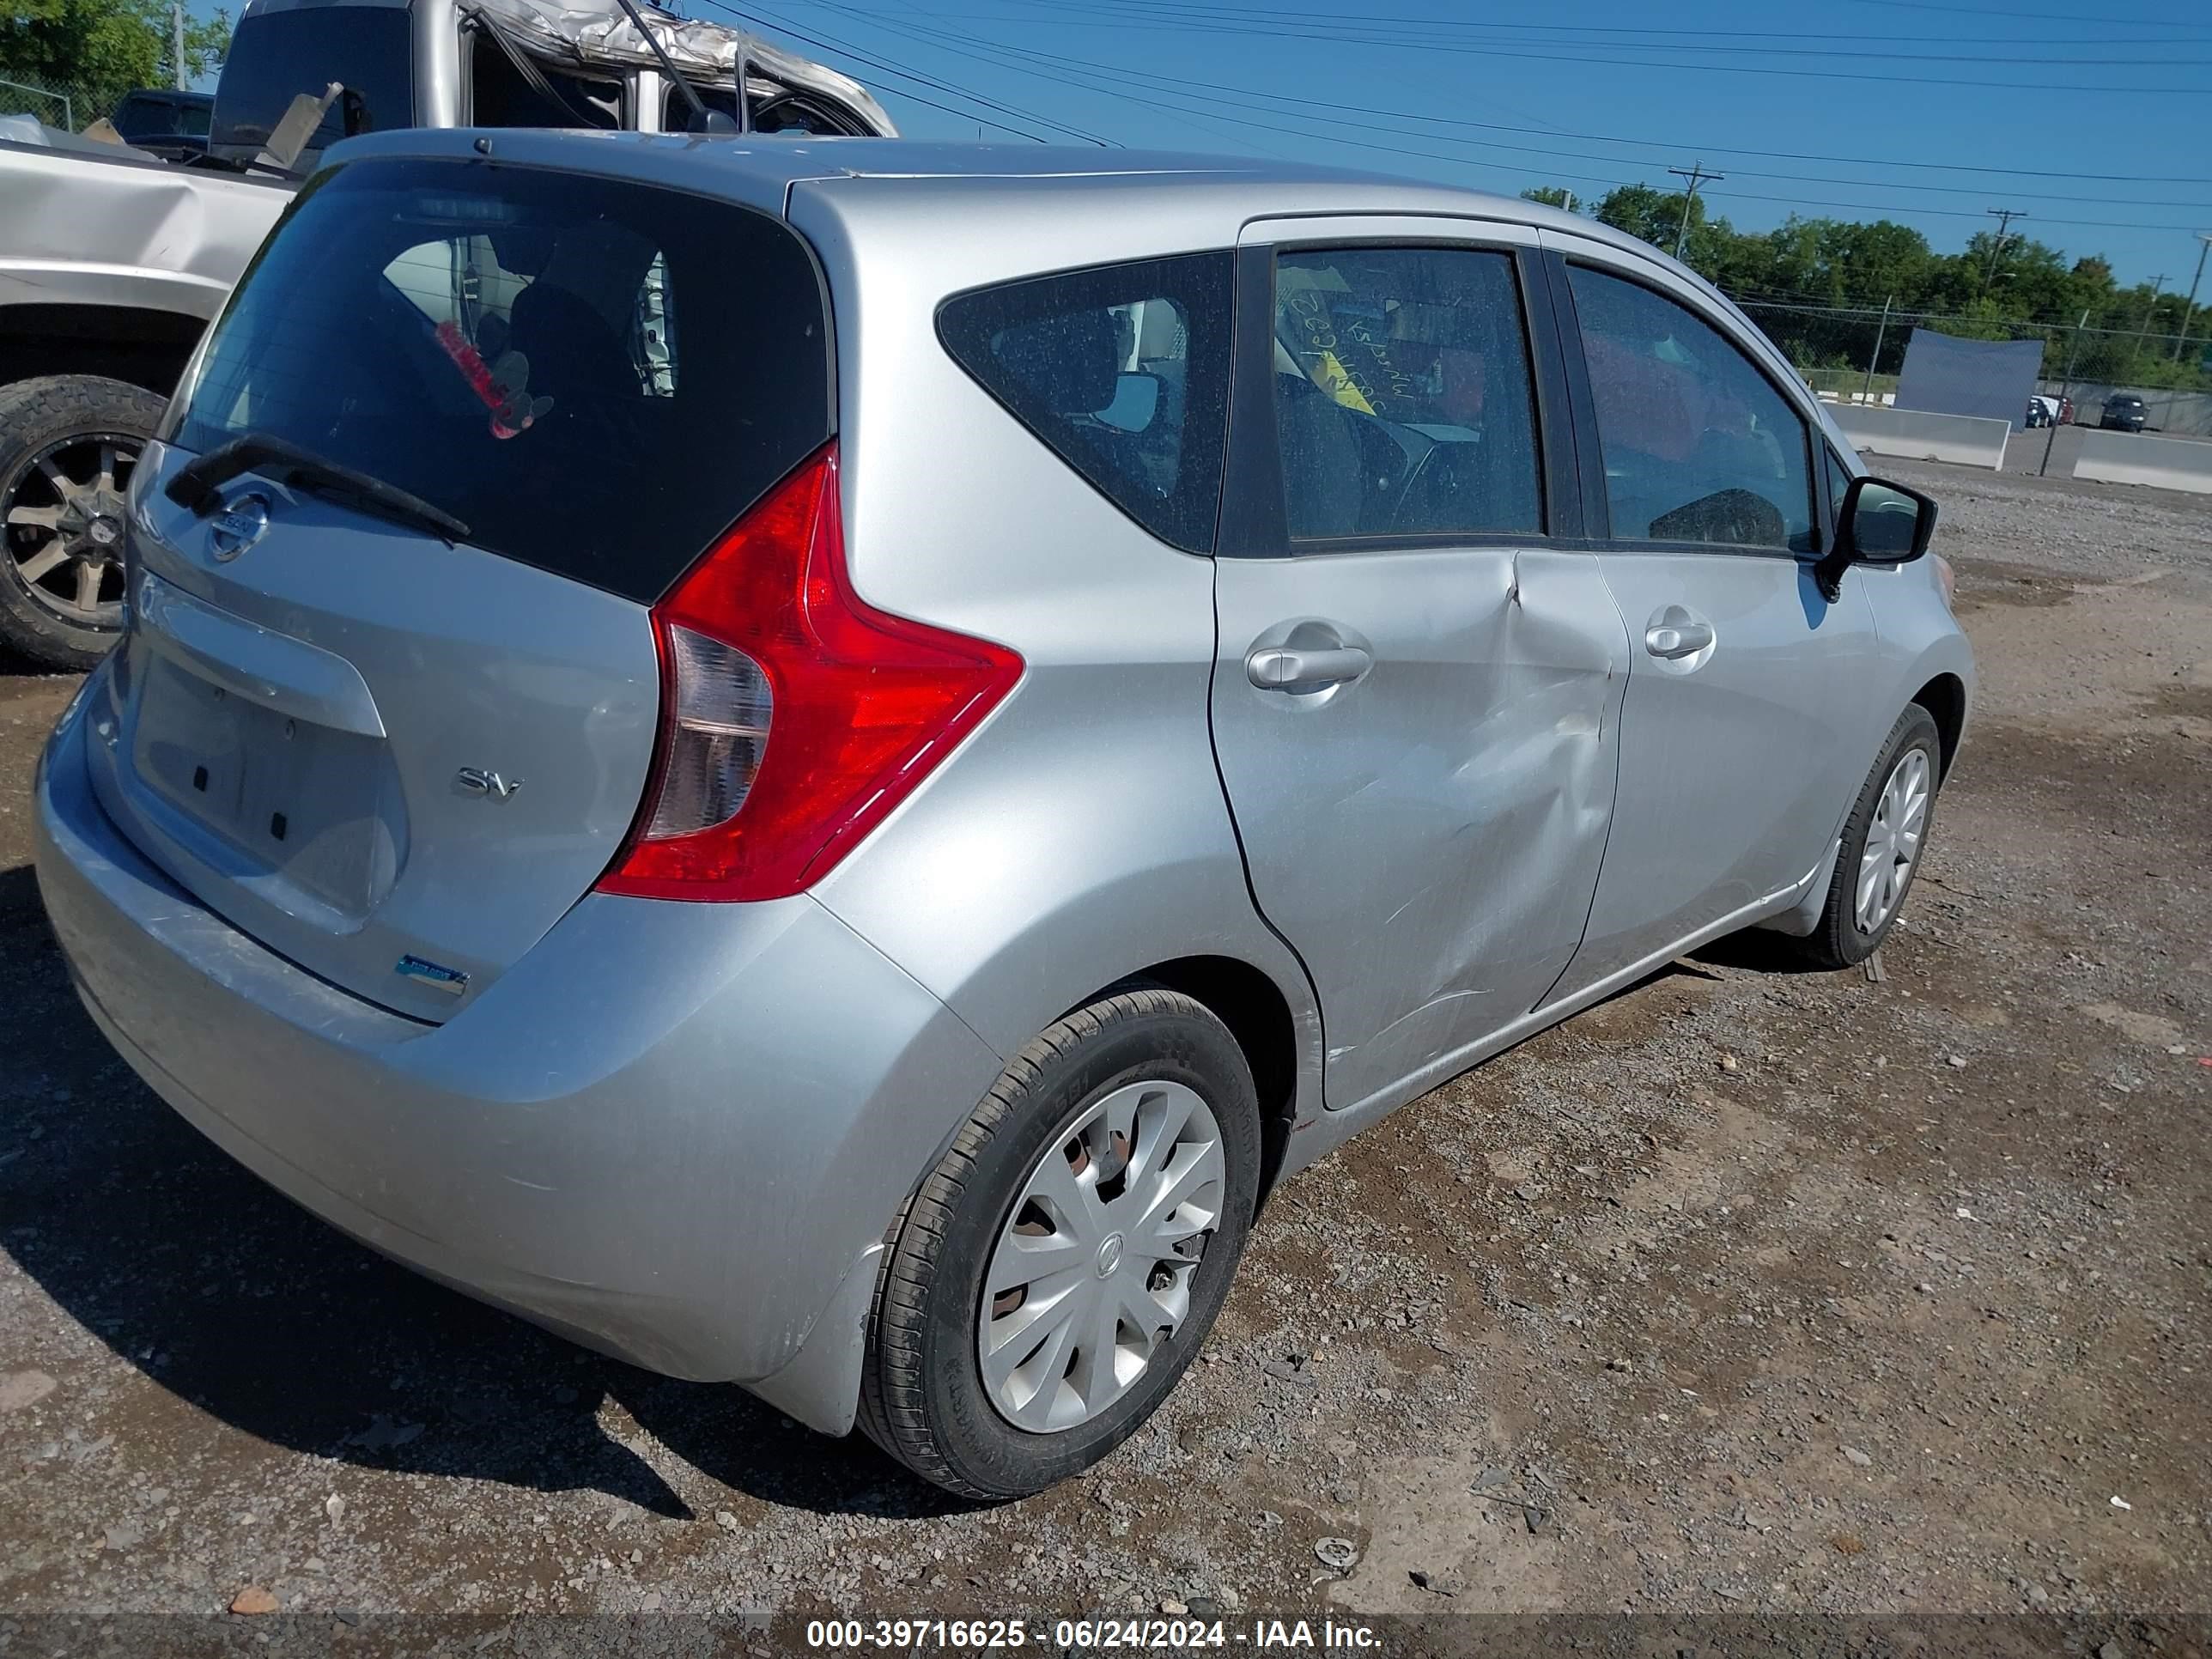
(1503, 97)
(2096, 126)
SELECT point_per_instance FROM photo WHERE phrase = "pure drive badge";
(452, 981)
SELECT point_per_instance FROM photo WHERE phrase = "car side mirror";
(1877, 523)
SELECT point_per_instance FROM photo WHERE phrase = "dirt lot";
(1746, 1290)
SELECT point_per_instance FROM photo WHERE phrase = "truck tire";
(68, 444)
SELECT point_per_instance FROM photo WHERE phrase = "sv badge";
(472, 781)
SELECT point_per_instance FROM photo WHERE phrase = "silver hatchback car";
(816, 763)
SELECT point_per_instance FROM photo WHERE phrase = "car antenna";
(703, 120)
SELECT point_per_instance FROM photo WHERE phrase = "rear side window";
(1123, 372)
(596, 376)
(1698, 445)
(275, 56)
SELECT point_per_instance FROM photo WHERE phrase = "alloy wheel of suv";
(68, 446)
(1057, 1271)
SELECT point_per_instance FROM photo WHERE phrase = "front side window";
(1698, 445)
(1122, 371)
(1403, 401)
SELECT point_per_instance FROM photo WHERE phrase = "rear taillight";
(795, 717)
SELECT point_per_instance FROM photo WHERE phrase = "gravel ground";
(1747, 1290)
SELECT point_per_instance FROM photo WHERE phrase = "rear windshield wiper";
(197, 485)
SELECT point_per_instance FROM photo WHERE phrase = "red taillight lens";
(794, 716)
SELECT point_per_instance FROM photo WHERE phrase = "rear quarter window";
(596, 376)
(1122, 371)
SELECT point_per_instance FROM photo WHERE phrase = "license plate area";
(318, 808)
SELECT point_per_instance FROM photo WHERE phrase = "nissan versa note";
(816, 763)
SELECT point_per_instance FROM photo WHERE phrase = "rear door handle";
(1284, 668)
(1678, 639)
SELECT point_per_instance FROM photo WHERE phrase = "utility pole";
(1866, 393)
(2204, 238)
(176, 40)
(2005, 216)
(2150, 310)
(1695, 173)
(2065, 390)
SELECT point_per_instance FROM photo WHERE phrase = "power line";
(1188, 23)
(1280, 13)
(899, 73)
(1595, 138)
(1271, 103)
(2008, 14)
(1276, 17)
(996, 55)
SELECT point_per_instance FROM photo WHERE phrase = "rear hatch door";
(399, 756)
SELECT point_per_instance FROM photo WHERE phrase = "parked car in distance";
(822, 804)
(2043, 410)
(172, 124)
(2123, 412)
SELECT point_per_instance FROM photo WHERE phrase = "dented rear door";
(1416, 699)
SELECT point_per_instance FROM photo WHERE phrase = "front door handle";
(1286, 668)
(1674, 640)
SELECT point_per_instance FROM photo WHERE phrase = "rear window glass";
(1123, 371)
(276, 56)
(143, 115)
(596, 376)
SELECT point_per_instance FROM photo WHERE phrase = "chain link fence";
(1856, 355)
(57, 104)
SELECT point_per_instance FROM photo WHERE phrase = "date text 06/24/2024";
(1086, 1635)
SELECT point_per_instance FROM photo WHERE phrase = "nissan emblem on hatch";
(238, 526)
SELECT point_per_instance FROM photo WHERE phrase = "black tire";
(34, 416)
(1838, 942)
(923, 1396)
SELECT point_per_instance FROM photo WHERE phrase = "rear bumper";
(674, 1133)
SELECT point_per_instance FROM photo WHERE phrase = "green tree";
(98, 50)
(1551, 196)
(1653, 214)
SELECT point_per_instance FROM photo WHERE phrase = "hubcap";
(1091, 1275)
(62, 521)
(1892, 840)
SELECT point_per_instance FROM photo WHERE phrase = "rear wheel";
(1882, 842)
(68, 446)
(1058, 1270)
